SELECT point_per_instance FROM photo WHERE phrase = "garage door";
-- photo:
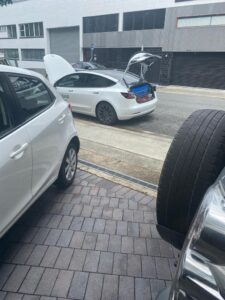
(65, 42)
(199, 70)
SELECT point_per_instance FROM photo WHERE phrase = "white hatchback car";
(109, 95)
(38, 142)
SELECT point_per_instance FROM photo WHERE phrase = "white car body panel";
(26, 176)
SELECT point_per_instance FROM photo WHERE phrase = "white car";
(38, 142)
(109, 95)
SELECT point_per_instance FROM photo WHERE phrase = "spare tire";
(195, 159)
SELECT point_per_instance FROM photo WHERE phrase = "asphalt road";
(171, 111)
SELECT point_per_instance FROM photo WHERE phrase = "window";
(95, 81)
(74, 80)
(148, 19)
(32, 30)
(105, 23)
(10, 53)
(33, 54)
(5, 124)
(32, 94)
(201, 21)
(8, 32)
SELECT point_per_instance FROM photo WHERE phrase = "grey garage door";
(65, 42)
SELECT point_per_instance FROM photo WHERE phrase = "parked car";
(38, 141)
(191, 207)
(109, 95)
(85, 65)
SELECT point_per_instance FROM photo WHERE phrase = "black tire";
(194, 161)
(66, 178)
(106, 113)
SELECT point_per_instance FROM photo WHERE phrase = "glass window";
(10, 53)
(194, 21)
(32, 30)
(98, 81)
(218, 20)
(32, 94)
(104, 23)
(32, 54)
(5, 123)
(74, 80)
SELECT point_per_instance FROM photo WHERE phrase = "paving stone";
(145, 230)
(165, 249)
(173, 268)
(77, 239)
(85, 191)
(62, 284)
(95, 201)
(153, 247)
(50, 257)
(77, 261)
(117, 214)
(91, 262)
(86, 200)
(78, 285)
(110, 287)
(107, 213)
(2, 295)
(97, 212)
(67, 198)
(123, 203)
(126, 288)
(76, 211)
(65, 222)
(120, 264)
(16, 278)
(142, 289)
(114, 202)
(10, 252)
(104, 202)
(121, 228)
(52, 237)
(37, 255)
(156, 286)
(88, 224)
(163, 268)
(148, 267)
(132, 204)
(133, 229)
(86, 212)
(23, 254)
(65, 238)
(29, 234)
(114, 243)
(102, 242)
(5, 271)
(40, 236)
(99, 226)
(138, 216)
(127, 244)
(13, 296)
(47, 282)
(31, 297)
(77, 189)
(89, 241)
(94, 287)
(148, 217)
(154, 232)
(94, 191)
(128, 215)
(31, 281)
(110, 227)
(76, 199)
(140, 246)
(54, 221)
(106, 262)
(134, 265)
(44, 220)
(64, 258)
(77, 223)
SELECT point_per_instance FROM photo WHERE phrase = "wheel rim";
(71, 164)
(105, 113)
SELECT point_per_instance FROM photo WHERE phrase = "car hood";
(56, 67)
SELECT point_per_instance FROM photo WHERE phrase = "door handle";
(96, 93)
(61, 119)
(17, 154)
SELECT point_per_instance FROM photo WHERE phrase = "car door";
(45, 121)
(15, 161)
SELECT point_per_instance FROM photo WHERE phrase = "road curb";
(116, 177)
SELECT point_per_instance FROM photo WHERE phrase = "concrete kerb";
(116, 179)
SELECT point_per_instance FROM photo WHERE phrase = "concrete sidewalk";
(140, 155)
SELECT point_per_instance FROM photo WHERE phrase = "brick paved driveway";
(96, 241)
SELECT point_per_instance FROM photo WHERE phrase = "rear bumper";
(137, 110)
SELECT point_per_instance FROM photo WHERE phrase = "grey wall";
(171, 38)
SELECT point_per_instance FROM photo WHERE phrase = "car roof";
(16, 70)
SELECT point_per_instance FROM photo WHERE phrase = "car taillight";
(128, 95)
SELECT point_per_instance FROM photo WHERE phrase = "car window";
(32, 94)
(74, 80)
(98, 81)
(5, 123)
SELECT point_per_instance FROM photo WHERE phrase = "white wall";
(62, 13)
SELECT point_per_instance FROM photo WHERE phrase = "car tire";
(68, 167)
(106, 113)
(194, 161)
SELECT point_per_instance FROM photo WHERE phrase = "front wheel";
(68, 168)
(106, 113)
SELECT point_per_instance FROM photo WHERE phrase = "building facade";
(187, 34)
